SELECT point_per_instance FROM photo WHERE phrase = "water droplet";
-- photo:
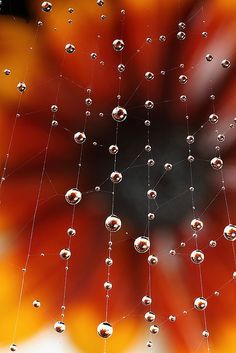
(104, 330)
(196, 225)
(21, 87)
(73, 196)
(71, 232)
(113, 223)
(113, 149)
(79, 137)
(209, 57)
(107, 286)
(183, 98)
(230, 232)
(147, 122)
(221, 138)
(212, 243)
(54, 108)
(7, 72)
(151, 194)
(109, 261)
(190, 139)
(225, 63)
(149, 104)
(70, 48)
(172, 318)
(148, 148)
(65, 254)
(88, 101)
(54, 123)
(217, 163)
(93, 56)
(205, 334)
(151, 216)
(154, 329)
(121, 67)
(182, 25)
(119, 114)
(152, 259)
(142, 244)
(118, 44)
(116, 177)
(183, 79)
(190, 159)
(146, 300)
(200, 303)
(162, 38)
(197, 256)
(59, 327)
(150, 162)
(213, 118)
(149, 316)
(168, 167)
(46, 6)
(13, 347)
(149, 76)
(36, 303)
(181, 35)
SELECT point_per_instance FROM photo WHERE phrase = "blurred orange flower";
(35, 54)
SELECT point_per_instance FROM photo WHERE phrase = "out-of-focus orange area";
(35, 55)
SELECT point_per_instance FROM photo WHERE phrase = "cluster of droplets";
(225, 63)
(113, 223)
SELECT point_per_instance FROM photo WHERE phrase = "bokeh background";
(35, 54)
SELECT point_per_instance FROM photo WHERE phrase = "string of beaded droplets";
(197, 256)
(113, 222)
